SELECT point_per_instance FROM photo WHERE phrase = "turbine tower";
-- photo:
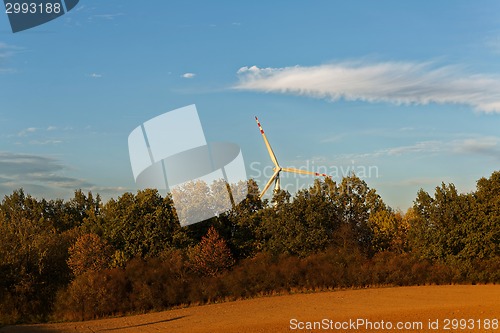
(277, 168)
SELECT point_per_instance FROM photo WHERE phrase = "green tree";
(143, 225)
(482, 230)
(440, 227)
(82, 208)
(302, 226)
(461, 231)
(240, 225)
(356, 202)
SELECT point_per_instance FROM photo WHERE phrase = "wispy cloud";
(6, 70)
(45, 142)
(381, 132)
(487, 146)
(7, 51)
(95, 75)
(26, 131)
(109, 191)
(50, 135)
(419, 147)
(420, 181)
(80, 8)
(188, 75)
(333, 138)
(493, 43)
(392, 82)
(108, 16)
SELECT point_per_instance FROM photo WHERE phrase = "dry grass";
(273, 314)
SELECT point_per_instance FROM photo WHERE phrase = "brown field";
(273, 314)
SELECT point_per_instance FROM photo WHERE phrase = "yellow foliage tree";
(89, 253)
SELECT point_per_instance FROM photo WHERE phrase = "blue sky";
(410, 89)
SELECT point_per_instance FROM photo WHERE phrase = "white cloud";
(95, 75)
(392, 82)
(188, 75)
(38, 136)
(26, 131)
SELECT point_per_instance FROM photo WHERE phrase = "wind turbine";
(277, 168)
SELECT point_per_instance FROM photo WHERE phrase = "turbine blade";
(268, 146)
(304, 172)
(269, 182)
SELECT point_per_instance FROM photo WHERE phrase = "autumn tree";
(89, 253)
(32, 257)
(211, 256)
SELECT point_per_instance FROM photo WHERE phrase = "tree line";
(84, 258)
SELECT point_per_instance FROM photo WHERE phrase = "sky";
(405, 94)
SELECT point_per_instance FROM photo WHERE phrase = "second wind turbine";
(277, 168)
